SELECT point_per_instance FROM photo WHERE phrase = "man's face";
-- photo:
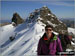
(48, 31)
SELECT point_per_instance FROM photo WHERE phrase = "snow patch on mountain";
(71, 30)
(49, 14)
(54, 25)
(25, 42)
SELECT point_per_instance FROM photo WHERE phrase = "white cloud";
(60, 2)
(52, 2)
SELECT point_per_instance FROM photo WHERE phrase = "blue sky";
(61, 8)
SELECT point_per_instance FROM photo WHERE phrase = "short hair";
(48, 26)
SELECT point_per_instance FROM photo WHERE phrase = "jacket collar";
(45, 37)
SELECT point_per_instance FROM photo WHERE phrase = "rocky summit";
(17, 19)
(45, 15)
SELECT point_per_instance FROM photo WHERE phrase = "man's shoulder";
(55, 37)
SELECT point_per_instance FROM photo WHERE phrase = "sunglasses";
(48, 29)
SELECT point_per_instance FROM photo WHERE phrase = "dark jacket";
(49, 47)
(64, 41)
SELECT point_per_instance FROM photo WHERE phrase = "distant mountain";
(69, 22)
(17, 19)
(3, 24)
(67, 18)
(4, 21)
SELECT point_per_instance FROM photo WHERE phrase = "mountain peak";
(47, 17)
(17, 19)
(44, 6)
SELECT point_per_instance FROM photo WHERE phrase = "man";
(49, 44)
(64, 38)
